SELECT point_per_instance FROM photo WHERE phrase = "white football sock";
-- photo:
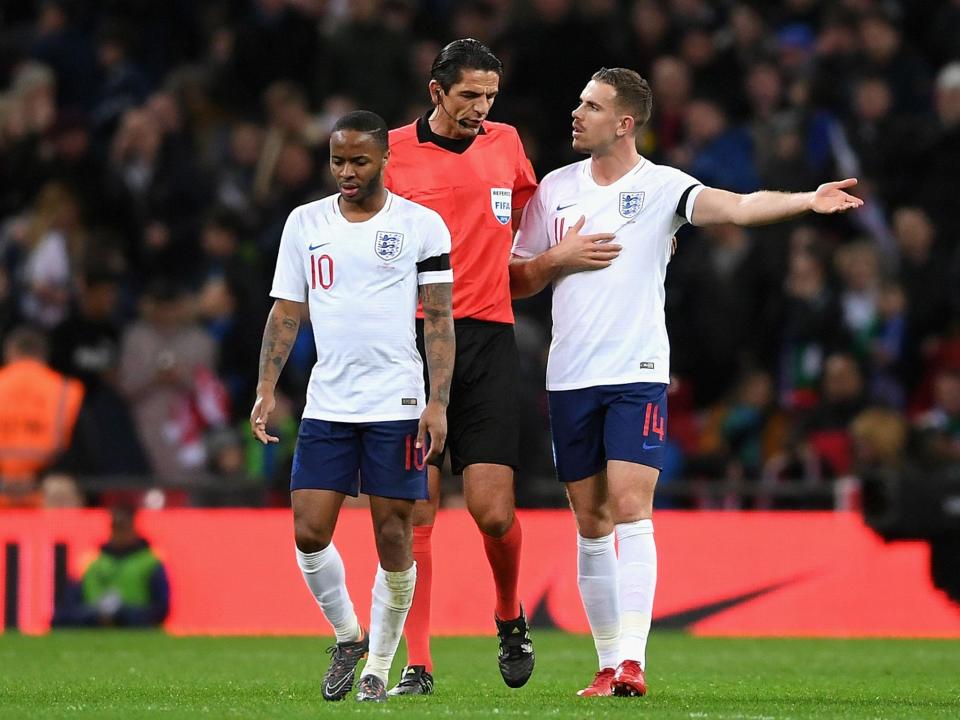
(597, 579)
(324, 574)
(392, 595)
(638, 581)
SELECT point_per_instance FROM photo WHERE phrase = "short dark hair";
(366, 122)
(26, 342)
(460, 55)
(633, 92)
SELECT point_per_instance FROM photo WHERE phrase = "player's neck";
(608, 166)
(365, 209)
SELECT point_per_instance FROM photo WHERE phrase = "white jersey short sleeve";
(609, 326)
(433, 263)
(361, 282)
(289, 282)
(532, 236)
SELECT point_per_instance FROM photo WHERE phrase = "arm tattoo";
(278, 337)
(438, 337)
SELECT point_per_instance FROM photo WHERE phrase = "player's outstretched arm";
(715, 207)
(574, 253)
(279, 336)
(440, 344)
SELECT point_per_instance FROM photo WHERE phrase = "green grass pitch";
(130, 675)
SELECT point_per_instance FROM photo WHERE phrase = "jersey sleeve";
(532, 237)
(682, 192)
(525, 180)
(289, 278)
(433, 261)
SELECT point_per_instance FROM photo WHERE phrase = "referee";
(476, 175)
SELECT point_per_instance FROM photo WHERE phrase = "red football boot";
(629, 681)
(601, 685)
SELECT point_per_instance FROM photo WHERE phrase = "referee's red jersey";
(474, 184)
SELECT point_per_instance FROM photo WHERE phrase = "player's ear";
(434, 88)
(627, 125)
(386, 157)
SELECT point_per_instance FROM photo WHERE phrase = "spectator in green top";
(125, 586)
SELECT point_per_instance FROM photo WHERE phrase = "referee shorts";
(483, 418)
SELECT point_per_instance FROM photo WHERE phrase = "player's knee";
(632, 509)
(493, 520)
(309, 537)
(595, 522)
(394, 535)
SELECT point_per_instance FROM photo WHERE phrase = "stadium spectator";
(87, 346)
(935, 165)
(60, 43)
(940, 425)
(166, 365)
(368, 60)
(884, 53)
(721, 154)
(123, 85)
(52, 243)
(158, 196)
(475, 174)
(273, 40)
(38, 410)
(126, 585)
(923, 268)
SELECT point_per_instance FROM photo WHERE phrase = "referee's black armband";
(682, 205)
(434, 264)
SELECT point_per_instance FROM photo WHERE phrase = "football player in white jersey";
(608, 368)
(359, 258)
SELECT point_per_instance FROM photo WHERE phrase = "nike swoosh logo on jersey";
(318, 245)
(650, 447)
(564, 207)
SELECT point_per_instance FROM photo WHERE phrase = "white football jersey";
(362, 280)
(608, 325)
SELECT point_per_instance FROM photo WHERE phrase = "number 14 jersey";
(608, 325)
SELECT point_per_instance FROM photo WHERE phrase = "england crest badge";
(501, 201)
(388, 245)
(631, 203)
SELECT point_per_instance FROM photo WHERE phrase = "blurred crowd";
(150, 153)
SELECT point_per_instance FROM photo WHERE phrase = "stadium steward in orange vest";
(38, 409)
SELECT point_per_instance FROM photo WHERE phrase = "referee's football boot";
(414, 680)
(516, 658)
(338, 680)
(371, 689)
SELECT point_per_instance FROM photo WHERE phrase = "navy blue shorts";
(607, 422)
(375, 458)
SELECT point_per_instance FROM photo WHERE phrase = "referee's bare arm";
(279, 336)
(574, 253)
(440, 344)
(714, 207)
